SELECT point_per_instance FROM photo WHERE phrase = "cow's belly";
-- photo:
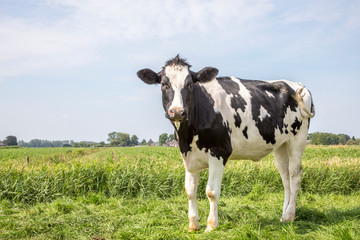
(254, 147)
(249, 153)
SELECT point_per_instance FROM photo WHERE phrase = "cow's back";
(260, 115)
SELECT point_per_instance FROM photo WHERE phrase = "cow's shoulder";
(206, 125)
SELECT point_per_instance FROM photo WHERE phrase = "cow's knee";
(212, 194)
(190, 193)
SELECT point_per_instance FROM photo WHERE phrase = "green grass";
(138, 193)
(95, 216)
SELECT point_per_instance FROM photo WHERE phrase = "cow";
(221, 118)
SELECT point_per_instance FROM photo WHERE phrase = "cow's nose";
(177, 113)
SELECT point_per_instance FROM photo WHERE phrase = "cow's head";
(177, 81)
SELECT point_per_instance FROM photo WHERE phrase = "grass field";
(138, 193)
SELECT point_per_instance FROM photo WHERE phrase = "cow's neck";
(185, 134)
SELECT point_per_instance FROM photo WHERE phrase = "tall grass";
(158, 173)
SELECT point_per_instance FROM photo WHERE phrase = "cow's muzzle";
(177, 114)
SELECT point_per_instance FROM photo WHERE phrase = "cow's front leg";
(213, 189)
(191, 184)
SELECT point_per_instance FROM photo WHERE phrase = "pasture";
(138, 193)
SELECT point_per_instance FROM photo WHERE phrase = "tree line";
(59, 143)
(120, 139)
(319, 138)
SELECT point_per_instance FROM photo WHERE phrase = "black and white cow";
(217, 119)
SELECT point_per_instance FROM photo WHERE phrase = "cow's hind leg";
(191, 184)
(213, 189)
(282, 163)
(295, 151)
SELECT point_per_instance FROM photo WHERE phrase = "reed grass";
(159, 173)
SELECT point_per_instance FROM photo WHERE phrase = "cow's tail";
(304, 99)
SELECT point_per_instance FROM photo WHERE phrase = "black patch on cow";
(296, 126)
(186, 93)
(185, 136)
(208, 125)
(168, 94)
(237, 101)
(245, 132)
(286, 130)
(237, 120)
(282, 97)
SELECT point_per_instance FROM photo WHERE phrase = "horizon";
(68, 68)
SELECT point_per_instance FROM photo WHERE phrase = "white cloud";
(75, 37)
(128, 19)
(80, 30)
(27, 47)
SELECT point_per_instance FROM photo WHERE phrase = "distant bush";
(319, 138)
(9, 147)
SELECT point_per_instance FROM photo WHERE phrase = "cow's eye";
(189, 85)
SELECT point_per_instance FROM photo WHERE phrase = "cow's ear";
(206, 74)
(148, 76)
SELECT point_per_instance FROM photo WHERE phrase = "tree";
(112, 136)
(353, 142)
(143, 142)
(22, 143)
(134, 140)
(124, 139)
(10, 141)
(101, 144)
(171, 137)
(162, 139)
(343, 138)
(115, 143)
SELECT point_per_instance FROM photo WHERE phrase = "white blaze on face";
(177, 76)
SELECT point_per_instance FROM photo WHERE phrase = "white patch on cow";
(196, 159)
(177, 125)
(263, 113)
(177, 75)
(269, 94)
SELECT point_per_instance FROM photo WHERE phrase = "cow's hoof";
(193, 228)
(286, 219)
(194, 224)
(209, 229)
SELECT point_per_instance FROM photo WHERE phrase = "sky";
(68, 67)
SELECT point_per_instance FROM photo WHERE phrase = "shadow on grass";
(329, 217)
(311, 219)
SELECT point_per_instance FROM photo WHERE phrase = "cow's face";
(177, 81)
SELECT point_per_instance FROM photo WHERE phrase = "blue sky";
(68, 67)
